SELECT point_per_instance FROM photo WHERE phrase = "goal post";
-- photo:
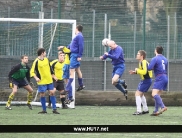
(38, 21)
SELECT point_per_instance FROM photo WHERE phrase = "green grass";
(88, 115)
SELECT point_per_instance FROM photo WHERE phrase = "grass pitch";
(88, 115)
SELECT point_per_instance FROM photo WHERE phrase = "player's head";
(61, 56)
(141, 55)
(41, 52)
(24, 59)
(111, 44)
(79, 28)
(158, 50)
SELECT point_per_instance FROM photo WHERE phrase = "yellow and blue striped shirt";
(142, 70)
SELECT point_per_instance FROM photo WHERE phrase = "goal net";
(19, 36)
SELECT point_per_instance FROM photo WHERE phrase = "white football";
(105, 42)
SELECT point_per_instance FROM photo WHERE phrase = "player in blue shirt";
(76, 47)
(159, 64)
(116, 54)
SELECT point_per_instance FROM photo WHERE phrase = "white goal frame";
(73, 22)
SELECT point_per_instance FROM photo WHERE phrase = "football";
(104, 42)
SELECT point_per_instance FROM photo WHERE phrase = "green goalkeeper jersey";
(20, 72)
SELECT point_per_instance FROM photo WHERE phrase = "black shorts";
(19, 83)
(59, 85)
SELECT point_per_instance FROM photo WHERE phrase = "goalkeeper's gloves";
(11, 85)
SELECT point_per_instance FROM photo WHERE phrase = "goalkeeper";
(17, 80)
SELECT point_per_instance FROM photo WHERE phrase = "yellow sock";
(29, 97)
(11, 96)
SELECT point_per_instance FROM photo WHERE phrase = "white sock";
(144, 103)
(138, 103)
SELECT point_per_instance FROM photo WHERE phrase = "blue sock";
(159, 100)
(43, 102)
(119, 87)
(121, 81)
(53, 101)
(70, 93)
(156, 106)
(80, 81)
(69, 84)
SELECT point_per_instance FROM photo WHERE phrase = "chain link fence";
(127, 22)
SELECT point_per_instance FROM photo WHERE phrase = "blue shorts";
(66, 71)
(44, 88)
(73, 61)
(144, 85)
(161, 82)
(19, 83)
(118, 69)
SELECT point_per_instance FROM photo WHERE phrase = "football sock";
(156, 106)
(80, 81)
(159, 101)
(53, 101)
(70, 94)
(144, 103)
(138, 103)
(29, 97)
(62, 101)
(121, 81)
(70, 80)
(69, 88)
(49, 100)
(11, 96)
(43, 102)
(119, 87)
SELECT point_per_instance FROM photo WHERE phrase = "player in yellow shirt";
(66, 68)
(43, 74)
(145, 83)
(57, 66)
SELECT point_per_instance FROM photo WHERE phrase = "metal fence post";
(175, 25)
(134, 41)
(41, 25)
(93, 35)
(105, 32)
(168, 42)
(144, 22)
(8, 47)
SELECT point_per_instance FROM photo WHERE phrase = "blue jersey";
(116, 55)
(77, 44)
(159, 64)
